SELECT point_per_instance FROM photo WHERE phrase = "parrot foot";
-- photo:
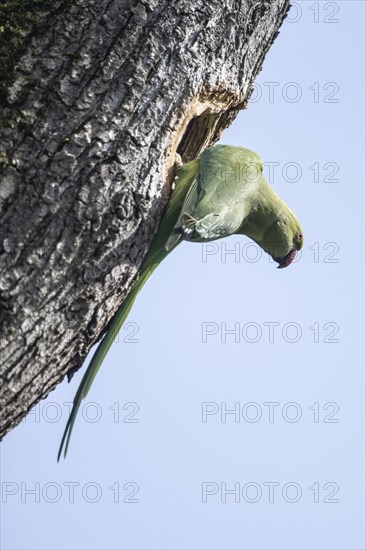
(174, 182)
(177, 166)
(178, 163)
(189, 222)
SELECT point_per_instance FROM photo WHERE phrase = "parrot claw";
(189, 221)
(178, 163)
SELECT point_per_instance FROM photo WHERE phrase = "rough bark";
(96, 98)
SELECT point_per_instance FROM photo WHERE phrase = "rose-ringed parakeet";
(220, 194)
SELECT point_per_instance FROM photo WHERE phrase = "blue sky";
(230, 414)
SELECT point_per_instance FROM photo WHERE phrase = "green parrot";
(220, 194)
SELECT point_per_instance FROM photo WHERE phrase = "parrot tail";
(103, 349)
(168, 237)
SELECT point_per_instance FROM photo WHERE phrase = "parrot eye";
(299, 237)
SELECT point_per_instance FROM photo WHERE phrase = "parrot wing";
(221, 195)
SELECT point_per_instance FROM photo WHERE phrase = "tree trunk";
(96, 99)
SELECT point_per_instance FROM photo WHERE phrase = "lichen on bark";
(18, 18)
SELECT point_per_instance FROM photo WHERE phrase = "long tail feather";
(157, 252)
(102, 351)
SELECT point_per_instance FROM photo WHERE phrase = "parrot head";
(283, 239)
